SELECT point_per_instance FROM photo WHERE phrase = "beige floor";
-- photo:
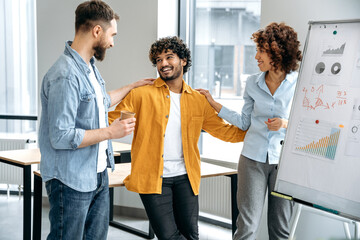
(11, 224)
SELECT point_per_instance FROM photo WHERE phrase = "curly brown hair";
(281, 43)
(90, 13)
(176, 45)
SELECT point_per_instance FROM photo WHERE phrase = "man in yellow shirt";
(165, 166)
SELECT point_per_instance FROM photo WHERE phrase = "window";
(18, 69)
(218, 33)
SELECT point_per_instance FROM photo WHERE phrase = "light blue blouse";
(260, 105)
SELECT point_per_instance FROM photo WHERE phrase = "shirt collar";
(159, 83)
(261, 77)
(78, 59)
(290, 77)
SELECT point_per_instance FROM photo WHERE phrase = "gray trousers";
(254, 179)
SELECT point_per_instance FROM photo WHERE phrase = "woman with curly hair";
(268, 96)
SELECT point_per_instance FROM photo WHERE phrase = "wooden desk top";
(23, 156)
(120, 147)
(212, 170)
(116, 178)
(33, 156)
(122, 170)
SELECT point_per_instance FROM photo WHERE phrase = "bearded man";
(74, 134)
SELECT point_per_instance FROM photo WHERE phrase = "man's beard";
(169, 78)
(99, 51)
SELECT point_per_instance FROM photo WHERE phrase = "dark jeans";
(78, 215)
(174, 214)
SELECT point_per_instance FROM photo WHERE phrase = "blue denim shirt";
(69, 108)
(258, 107)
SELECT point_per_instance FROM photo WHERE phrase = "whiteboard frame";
(305, 195)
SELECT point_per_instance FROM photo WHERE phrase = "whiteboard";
(320, 158)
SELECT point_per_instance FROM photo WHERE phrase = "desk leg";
(111, 193)
(37, 208)
(146, 235)
(149, 235)
(234, 208)
(27, 203)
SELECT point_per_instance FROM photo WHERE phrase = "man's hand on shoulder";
(118, 94)
(143, 82)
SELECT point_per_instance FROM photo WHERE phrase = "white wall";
(297, 13)
(126, 62)
(167, 18)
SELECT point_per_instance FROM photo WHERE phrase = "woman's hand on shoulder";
(274, 124)
(206, 93)
(217, 106)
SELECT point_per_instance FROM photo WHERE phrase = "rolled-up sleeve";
(63, 101)
(125, 104)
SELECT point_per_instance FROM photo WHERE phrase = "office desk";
(212, 170)
(24, 159)
(121, 147)
(125, 152)
(116, 179)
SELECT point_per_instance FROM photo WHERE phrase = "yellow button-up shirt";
(152, 107)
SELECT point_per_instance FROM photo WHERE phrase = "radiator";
(11, 174)
(215, 196)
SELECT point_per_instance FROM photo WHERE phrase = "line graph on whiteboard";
(317, 138)
(331, 49)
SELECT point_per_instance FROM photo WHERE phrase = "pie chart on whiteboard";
(335, 68)
(320, 67)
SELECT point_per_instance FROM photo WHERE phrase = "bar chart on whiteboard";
(317, 138)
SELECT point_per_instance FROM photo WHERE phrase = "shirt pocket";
(87, 109)
(195, 126)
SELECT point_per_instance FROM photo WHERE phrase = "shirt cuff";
(224, 112)
(78, 138)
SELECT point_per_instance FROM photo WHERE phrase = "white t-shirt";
(102, 164)
(174, 164)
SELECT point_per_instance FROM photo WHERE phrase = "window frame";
(186, 31)
(20, 100)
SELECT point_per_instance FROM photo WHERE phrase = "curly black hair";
(176, 45)
(281, 43)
